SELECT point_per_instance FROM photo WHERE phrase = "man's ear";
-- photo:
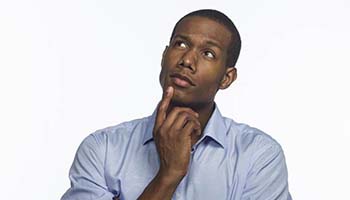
(164, 52)
(229, 76)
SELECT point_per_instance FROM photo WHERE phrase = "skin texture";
(199, 52)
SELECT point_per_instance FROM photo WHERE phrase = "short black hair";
(234, 47)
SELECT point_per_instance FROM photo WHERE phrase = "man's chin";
(175, 102)
(179, 103)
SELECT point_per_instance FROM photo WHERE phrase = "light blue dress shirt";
(231, 161)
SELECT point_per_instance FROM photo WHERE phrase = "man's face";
(197, 51)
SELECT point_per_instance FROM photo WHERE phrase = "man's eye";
(209, 54)
(180, 44)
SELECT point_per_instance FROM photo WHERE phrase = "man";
(186, 149)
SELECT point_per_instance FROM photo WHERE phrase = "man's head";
(234, 46)
(203, 49)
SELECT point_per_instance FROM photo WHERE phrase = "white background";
(71, 67)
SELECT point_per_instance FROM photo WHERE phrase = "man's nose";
(189, 60)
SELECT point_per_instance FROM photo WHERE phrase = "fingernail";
(168, 91)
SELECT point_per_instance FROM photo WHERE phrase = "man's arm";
(172, 135)
(268, 178)
(87, 172)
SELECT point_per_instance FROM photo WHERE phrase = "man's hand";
(172, 136)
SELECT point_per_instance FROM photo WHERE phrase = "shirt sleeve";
(268, 177)
(87, 172)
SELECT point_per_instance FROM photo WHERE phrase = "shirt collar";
(215, 128)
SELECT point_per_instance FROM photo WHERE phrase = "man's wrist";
(170, 178)
(161, 187)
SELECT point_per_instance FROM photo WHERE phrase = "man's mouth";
(181, 80)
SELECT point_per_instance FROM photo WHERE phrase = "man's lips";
(182, 80)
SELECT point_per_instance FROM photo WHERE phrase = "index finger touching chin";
(163, 106)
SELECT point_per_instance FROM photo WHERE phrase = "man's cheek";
(162, 77)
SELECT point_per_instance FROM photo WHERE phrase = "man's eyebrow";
(213, 43)
(182, 37)
(206, 41)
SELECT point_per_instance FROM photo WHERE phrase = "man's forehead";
(204, 28)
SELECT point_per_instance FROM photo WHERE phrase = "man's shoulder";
(122, 130)
(246, 136)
